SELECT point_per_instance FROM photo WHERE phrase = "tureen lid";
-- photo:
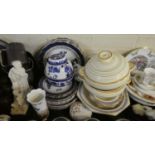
(108, 66)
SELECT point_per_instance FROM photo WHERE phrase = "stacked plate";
(62, 100)
(142, 87)
(104, 81)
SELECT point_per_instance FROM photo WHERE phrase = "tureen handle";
(81, 74)
(132, 66)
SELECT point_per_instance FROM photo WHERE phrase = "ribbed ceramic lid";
(107, 67)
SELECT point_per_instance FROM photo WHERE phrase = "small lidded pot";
(79, 112)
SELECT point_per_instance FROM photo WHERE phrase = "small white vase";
(37, 98)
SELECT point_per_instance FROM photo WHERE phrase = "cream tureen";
(106, 71)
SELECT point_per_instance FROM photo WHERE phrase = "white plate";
(139, 98)
(142, 57)
(82, 94)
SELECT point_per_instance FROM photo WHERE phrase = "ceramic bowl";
(58, 67)
(144, 92)
(61, 107)
(4, 117)
(104, 86)
(107, 76)
(79, 112)
(60, 95)
(122, 119)
(56, 87)
(83, 95)
(140, 79)
(92, 119)
(145, 100)
(108, 104)
(104, 93)
(61, 119)
(138, 83)
(106, 67)
(57, 102)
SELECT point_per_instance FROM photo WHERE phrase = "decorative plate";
(142, 58)
(83, 96)
(138, 98)
(66, 45)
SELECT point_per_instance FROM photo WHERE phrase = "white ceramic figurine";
(20, 86)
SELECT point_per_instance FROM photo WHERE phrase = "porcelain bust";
(20, 86)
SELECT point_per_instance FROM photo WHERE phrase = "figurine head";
(17, 64)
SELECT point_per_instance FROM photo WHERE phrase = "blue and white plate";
(72, 50)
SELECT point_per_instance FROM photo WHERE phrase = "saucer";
(83, 96)
(72, 50)
(142, 58)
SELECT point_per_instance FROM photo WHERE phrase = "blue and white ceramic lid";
(142, 57)
(72, 50)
